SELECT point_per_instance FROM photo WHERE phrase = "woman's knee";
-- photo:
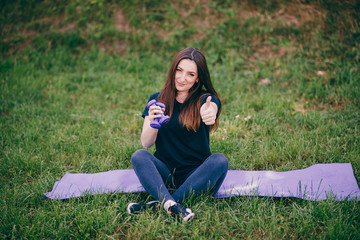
(220, 162)
(139, 156)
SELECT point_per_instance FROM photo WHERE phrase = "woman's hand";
(155, 112)
(208, 112)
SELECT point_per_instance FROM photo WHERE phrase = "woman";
(182, 159)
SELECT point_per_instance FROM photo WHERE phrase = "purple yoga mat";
(319, 182)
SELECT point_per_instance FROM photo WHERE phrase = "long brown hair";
(190, 109)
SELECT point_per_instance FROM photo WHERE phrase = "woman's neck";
(181, 96)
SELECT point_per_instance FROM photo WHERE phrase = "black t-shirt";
(180, 149)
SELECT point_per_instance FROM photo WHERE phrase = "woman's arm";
(149, 134)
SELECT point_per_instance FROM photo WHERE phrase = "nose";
(182, 77)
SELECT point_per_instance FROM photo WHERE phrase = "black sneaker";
(134, 208)
(180, 213)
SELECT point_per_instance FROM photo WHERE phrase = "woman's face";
(186, 75)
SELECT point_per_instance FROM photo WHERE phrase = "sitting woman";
(182, 160)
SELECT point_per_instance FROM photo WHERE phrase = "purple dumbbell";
(157, 122)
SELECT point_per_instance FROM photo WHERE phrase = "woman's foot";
(179, 212)
(134, 208)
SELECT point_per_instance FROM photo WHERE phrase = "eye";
(178, 69)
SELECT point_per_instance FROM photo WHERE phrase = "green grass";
(75, 76)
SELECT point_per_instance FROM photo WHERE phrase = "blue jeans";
(156, 178)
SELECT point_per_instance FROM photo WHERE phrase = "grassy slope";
(75, 77)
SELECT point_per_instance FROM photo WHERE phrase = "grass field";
(76, 75)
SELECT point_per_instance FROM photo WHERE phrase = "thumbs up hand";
(208, 111)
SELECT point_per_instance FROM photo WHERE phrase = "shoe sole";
(131, 204)
(189, 217)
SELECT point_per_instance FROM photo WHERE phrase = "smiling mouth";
(180, 84)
